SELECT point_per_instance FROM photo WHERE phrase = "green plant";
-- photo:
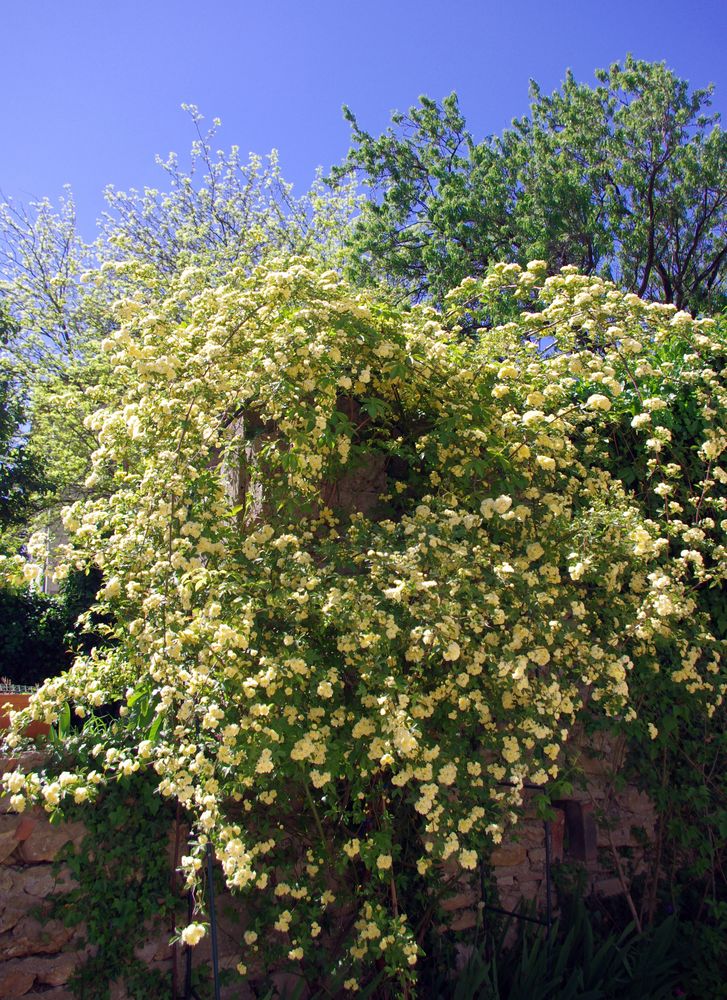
(423, 656)
(124, 888)
(40, 634)
(32, 636)
(574, 962)
(625, 178)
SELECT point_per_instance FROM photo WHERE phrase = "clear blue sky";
(90, 89)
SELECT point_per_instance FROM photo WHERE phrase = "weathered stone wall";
(592, 830)
(38, 955)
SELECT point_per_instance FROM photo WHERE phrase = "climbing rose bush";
(364, 574)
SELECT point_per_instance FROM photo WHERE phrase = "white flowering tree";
(346, 688)
(215, 212)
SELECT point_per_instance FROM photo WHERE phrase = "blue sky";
(90, 89)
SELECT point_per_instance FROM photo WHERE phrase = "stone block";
(12, 910)
(516, 872)
(461, 901)
(25, 827)
(608, 887)
(36, 881)
(508, 856)
(621, 836)
(55, 971)
(8, 846)
(59, 994)
(531, 835)
(15, 979)
(464, 920)
(146, 952)
(27, 760)
(44, 843)
(31, 937)
(163, 949)
(9, 823)
(530, 889)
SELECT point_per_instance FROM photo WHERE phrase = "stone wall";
(604, 835)
(38, 955)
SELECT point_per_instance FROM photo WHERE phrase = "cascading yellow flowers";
(367, 573)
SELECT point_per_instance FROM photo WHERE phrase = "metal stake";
(213, 921)
(548, 895)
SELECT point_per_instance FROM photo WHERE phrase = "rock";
(31, 937)
(118, 991)
(358, 489)
(531, 834)
(464, 920)
(8, 844)
(461, 901)
(15, 979)
(508, 856)
(518, 872)
(25, 827)
(44, 843)
(36, 881)
(18, 975)
(60, 994)
(621, 836)
(162, 949)
(146, 952)
(12, 911)
(531, 890)
(27, 760)
(9, 823)
(55, 971)
(608, 887)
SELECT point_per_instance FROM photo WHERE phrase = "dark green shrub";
(39, 635)
(32, 636)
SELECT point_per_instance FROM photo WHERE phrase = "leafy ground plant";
(575, 963)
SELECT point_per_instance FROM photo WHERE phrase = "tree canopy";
(625, 180)
(216, 213)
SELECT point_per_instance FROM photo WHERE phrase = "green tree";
(625, 180)
(21, 478)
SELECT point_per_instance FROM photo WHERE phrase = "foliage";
(40, 634)
(59, 290)
(364, 571)
(21, 479)
(20, 474)
(218, 213)
(32, 636)
(576, 962)
(675, 753)
(625, 180)
(123, 890)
